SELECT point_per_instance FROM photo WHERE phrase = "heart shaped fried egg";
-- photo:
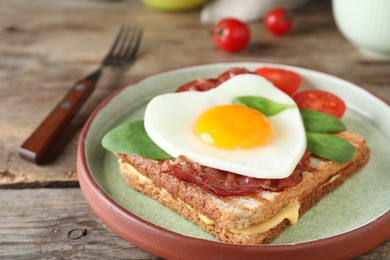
(206, 127)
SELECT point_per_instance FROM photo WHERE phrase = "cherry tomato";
(287, 81)
(278, 21)
(320, 100)
(231, 35)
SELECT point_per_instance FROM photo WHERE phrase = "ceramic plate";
(356, 210)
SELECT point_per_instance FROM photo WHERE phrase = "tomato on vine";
(278, 21)
(231, 35)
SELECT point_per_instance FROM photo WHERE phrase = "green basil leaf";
(264, 105)
(330, 147)
(131, 138)
(318, 122)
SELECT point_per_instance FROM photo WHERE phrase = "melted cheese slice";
(205, 219)
(333, 178)
(290, 212)
(129, 168)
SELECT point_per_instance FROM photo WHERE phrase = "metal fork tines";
(124, 47)
(123, 52)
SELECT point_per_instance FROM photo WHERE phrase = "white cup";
(366, 23)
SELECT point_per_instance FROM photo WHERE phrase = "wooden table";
(46, 45)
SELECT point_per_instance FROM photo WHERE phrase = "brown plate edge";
(164, 243)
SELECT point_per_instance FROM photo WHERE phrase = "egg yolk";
(233, 127)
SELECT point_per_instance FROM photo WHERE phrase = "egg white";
(170, 119)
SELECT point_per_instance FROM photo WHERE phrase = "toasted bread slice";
(243, 219)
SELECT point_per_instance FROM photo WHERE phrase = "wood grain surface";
(35, 228)
(62, 226)
(46, 46)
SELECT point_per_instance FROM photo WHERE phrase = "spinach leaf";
(264, 105)
(330, 147)
(131, 138)
(315, 121)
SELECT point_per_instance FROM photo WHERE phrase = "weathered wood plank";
(58, 224)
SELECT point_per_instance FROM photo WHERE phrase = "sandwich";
(236, 155)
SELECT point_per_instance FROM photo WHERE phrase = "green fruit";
(174, 5)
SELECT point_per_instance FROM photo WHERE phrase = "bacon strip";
(207, 84)
(223, 183)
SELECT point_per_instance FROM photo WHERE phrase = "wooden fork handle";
(38, 145)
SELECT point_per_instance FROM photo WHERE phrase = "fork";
(41, 141)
